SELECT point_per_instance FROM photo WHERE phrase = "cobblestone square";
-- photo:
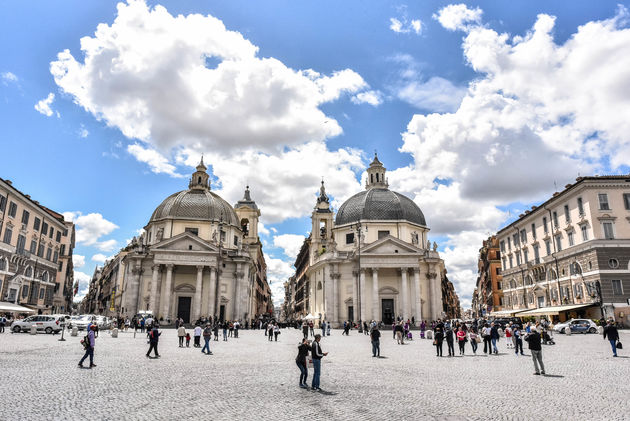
(250, 378)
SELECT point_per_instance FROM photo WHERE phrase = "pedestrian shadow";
(622, 356)
(553, 375)
(380, 356)
(327, 393)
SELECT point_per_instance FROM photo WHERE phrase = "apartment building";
(569, 257)
(35, 247)
(488, 294)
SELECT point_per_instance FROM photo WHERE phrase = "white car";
(577, 326)
(82, 322)
(48, 324)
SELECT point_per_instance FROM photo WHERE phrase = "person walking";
(304, 329)
(181, 334)
(611, 332)
(517, 334)
(215, 330)
(494, 337)
(317, 354)
(225, 330)
(473, 339)
(508, 336)
(207, 334)
(437, 341)
(237, 326)
(423, 327)
(448, 335)
(276, 331)
(197, 335)
(375, 338)
(398, 330)
(3, 322)
(461, 340)
(89, 343)
(324, 328)
(533, 340)
(154, 337)
(270, 332)
(485, 334)
(300, 360)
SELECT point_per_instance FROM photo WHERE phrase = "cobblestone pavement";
(250, 378)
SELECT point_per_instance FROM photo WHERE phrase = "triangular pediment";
(183, 242)
(390, 245)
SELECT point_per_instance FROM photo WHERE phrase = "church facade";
(199, 256)
(370, 261)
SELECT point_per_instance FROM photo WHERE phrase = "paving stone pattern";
(250, 378)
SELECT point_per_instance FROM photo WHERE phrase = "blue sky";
(476, 109)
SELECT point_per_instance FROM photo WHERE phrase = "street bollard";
(114, 332)
(33, 330)
(75, 331)
(567, 330)
(429, 334)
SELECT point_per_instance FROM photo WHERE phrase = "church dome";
(195, 204)
(198, 202)
(379, 204)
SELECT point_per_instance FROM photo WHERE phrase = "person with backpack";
(154, 337)
(207, 333)
(448, 335)
(197, 335)
(438, 340)
(303, 350)
(88, 343)
(375, 338)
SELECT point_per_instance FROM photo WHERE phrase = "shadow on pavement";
(553, 375)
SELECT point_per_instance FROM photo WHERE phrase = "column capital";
(200, 267)
(416, 271)
(155, 267)
(170, 266)
(374, 271)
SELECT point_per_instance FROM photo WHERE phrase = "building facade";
(570, 256)
(488, 295)
(36, 246)
(198, 256)
(370, 261)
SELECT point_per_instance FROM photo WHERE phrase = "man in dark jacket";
(533, 339)
(375, 337)
(494, 337)
(154, 337)
(317, 354)
(611, 332)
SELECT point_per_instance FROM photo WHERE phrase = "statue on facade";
(160, 234)
(435, 246)
(414, 238)
(428, 244)
(214, 236)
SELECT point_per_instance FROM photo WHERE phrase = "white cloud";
(458, 17)
(289, 243)
(78, 261)
(83, 132)
(90, 229)
(8, 77)
(262, 229)
(404, 25)
(277, 195)
(278, 272)
(411, 86)
(43, 106)
(84, 284)
(374, 98)
(99, 258)
(156, 161)
(221, 95)
(538, 111)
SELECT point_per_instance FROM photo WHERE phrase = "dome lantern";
(376, 175)
(200, 179)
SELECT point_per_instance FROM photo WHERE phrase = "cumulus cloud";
(402, 24)
(458, 17)
(90, 229)
(538, 111)
(434, 94)
(99, 258)
(221, 95)
(43, 106)
(374, 98)
(278, 272)
(284, 185)
(155, 160)
(84, 283)
(289, 243)
(83, 132)
(78, 261)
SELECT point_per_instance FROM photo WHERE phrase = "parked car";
(48, 324)
(577, 326)
(504, 321)
(103, 322)
(83, 321)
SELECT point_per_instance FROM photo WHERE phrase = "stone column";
(326, 290)
(212, 288)
(167, 291)
(363, 295)
(197, 307)
(336, 297)
(405, 294)
(416, 281)
(236, 307)
(355, 300)
(375, 303)
(154, 283)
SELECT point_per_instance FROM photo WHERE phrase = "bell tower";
(200, 179)
(376, 175)
(248, 214)
(322, 221)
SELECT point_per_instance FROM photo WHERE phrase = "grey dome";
(379, 204)
(195, 204)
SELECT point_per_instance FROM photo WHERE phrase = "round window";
(613, 263)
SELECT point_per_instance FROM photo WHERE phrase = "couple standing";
(316, 354)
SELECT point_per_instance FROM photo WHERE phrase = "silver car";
(48, 324)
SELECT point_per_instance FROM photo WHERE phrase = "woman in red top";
(461, 340)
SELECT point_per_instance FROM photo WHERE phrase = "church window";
(236, 240)
(194, 231)
(350, 238)
(371, 178)
(190, 247)
(198, 180)
(382, 234)
(377, 177)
